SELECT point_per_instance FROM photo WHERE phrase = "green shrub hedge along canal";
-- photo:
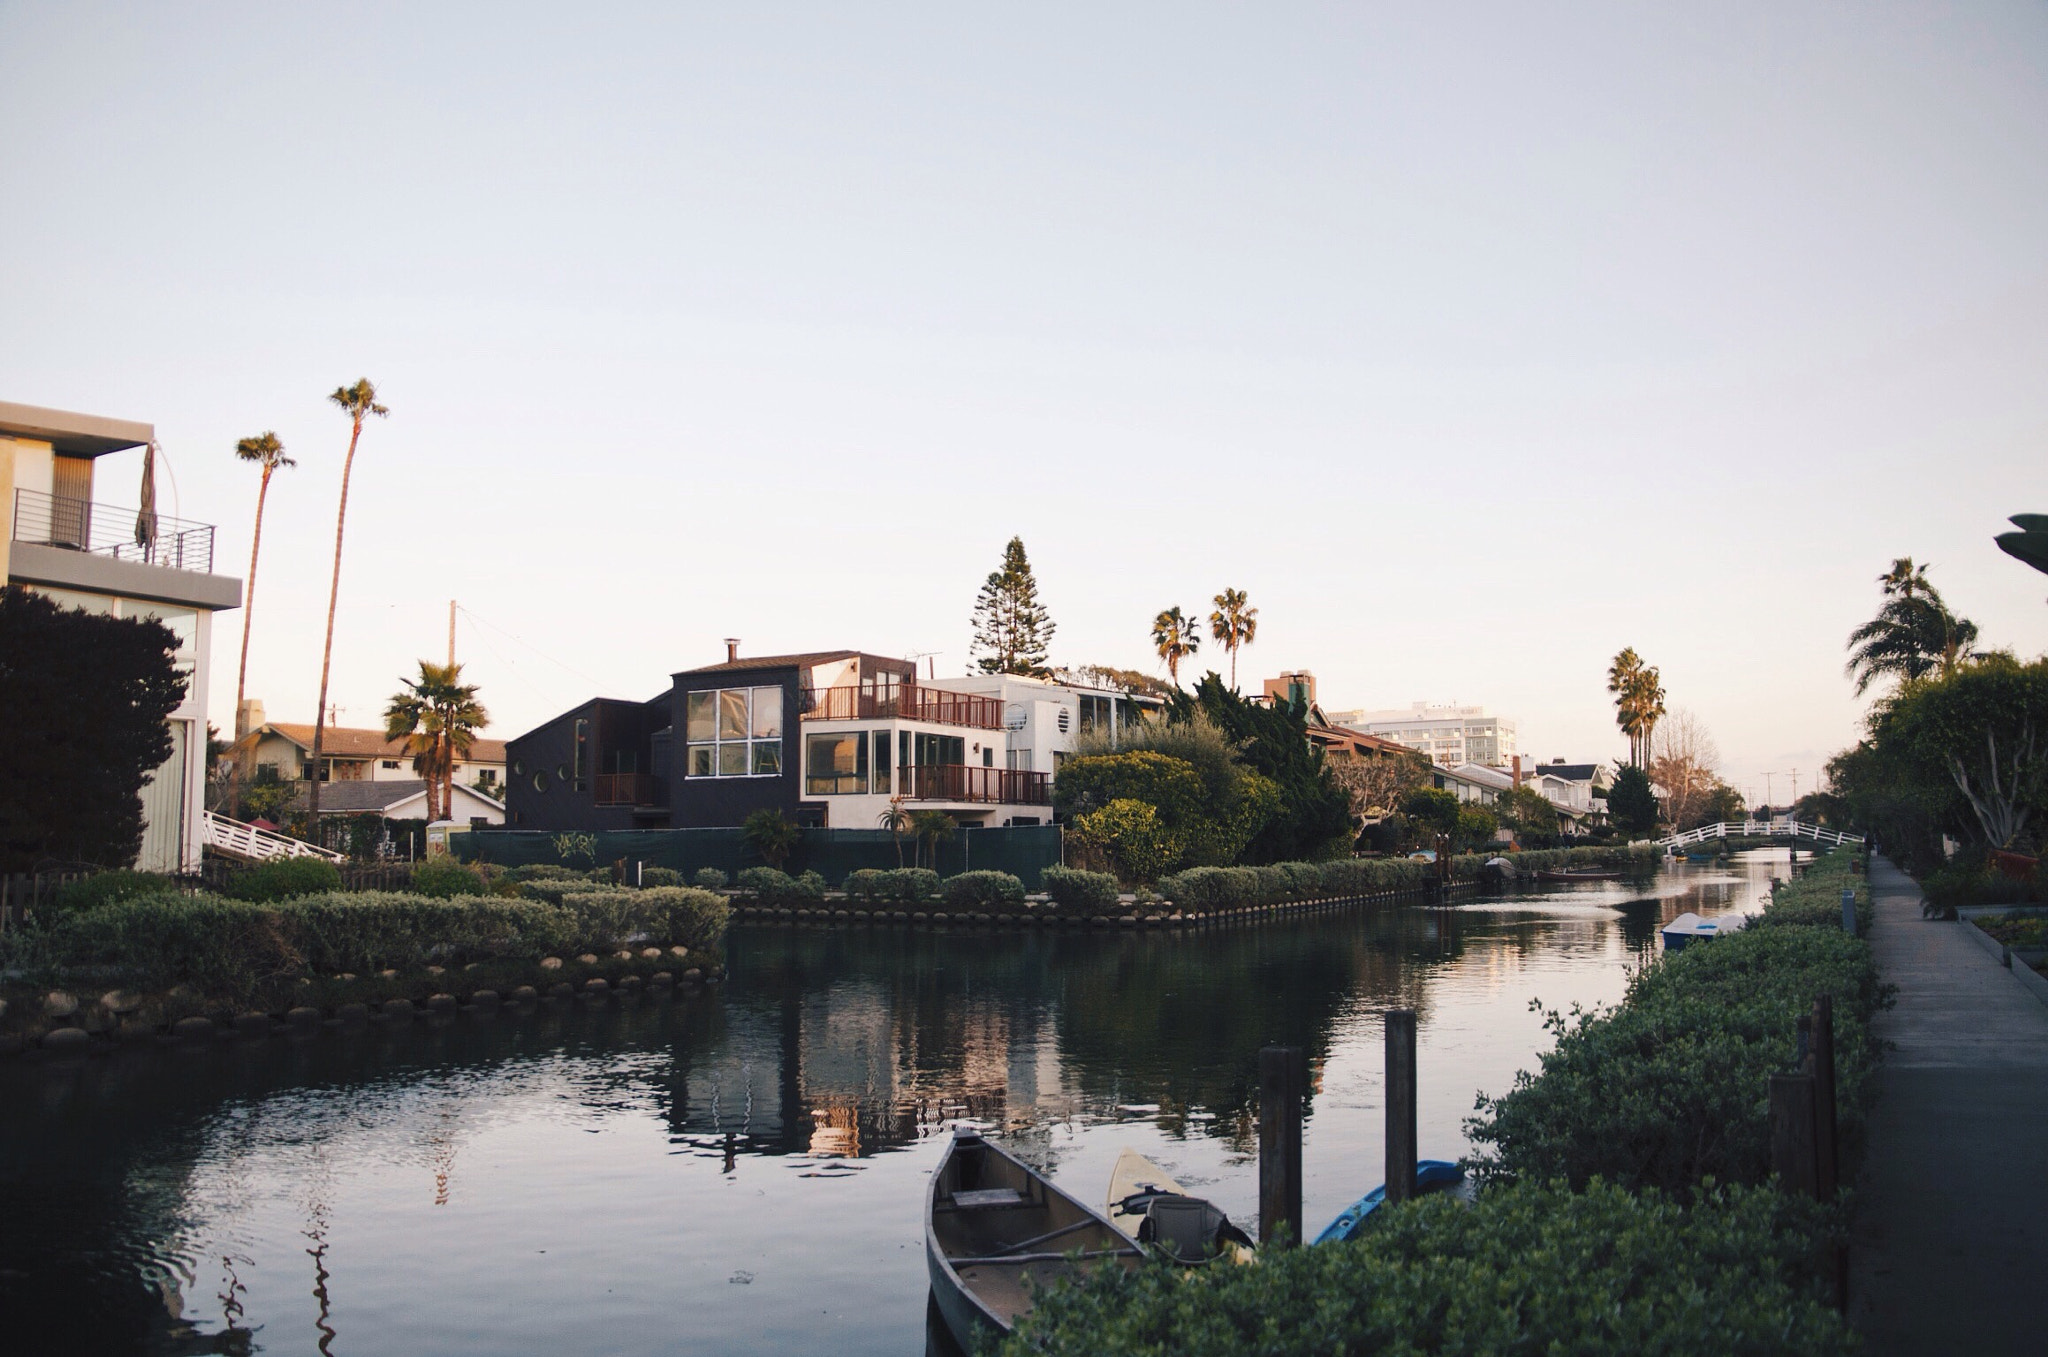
(1625, 1205)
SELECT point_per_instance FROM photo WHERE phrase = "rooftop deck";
(102, 530)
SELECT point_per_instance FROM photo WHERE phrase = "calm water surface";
(743, 1171)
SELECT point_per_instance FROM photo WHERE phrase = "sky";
(1473, 341)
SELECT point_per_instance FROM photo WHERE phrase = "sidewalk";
(1951, 1243)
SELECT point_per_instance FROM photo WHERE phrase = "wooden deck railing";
(625, 789)
(965, 782)
(908, 703)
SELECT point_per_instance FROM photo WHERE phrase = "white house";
(1450, 735)
(350, 753)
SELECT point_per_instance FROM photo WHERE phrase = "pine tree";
(1012, 631)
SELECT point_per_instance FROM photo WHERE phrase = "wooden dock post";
(1820, 1053)
(1401, 1149)
(1283, 1080)
(1793, 1156)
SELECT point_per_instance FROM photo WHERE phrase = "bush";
(1526, 1269)
(984, 891)
(1133, 836)
(105, 888)
(767, 886)
(543, 871)
(710, 879)
(367, 931)
(1303, 879)
(660, 877)
(1203, 889)
(554, 890)
(284, 878)
(1077, 892)
(659, 915)
(443, 878)
(900, 885)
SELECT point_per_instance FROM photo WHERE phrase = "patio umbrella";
(145, 518)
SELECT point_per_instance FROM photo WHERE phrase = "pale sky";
(1475, 342)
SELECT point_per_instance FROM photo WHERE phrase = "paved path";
(1951, 1246)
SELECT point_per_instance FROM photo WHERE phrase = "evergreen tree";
(1012, 631)
(1314, 815)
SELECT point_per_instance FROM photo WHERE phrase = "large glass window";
(836, 765)
(733, 732)
(881, 765)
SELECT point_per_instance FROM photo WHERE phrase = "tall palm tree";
(1631, 681)
(898, 822)
(438, 718)
(1648, 694)
(267, 452)
(931, 828)
(1234, 625)
(1913, 636)
(359, 402)
(1177, 637)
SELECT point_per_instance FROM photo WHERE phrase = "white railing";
(233, 839)
(1781, 827)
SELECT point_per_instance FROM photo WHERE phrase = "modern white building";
(119, 560)
(1449, 735)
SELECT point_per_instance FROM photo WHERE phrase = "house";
(283, 751)
(1450, 735)
(1577, 786)
(830, 738)
(400, 799)
(64, 542)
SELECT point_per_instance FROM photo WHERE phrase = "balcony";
(625, 789)
(965, 782)
(122, 534)
(906, 703)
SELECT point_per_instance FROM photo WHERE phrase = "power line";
(599, 684)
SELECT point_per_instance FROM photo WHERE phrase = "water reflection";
(742, 1170)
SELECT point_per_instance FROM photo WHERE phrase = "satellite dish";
(1014, 716)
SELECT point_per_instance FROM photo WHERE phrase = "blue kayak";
(1431, 1175)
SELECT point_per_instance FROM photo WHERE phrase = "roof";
(356, 798)
(1360, 742)
(802, 660)
(1570, 772)
(72, 434)
(356, 742)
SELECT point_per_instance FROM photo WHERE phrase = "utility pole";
(451, 633)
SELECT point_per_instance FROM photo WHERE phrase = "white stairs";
(246, 843)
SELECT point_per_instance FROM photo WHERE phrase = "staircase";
(246, 843)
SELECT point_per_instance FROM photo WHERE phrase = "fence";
(1022, 850)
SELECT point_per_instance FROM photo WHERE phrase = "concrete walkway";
(1950, 1253)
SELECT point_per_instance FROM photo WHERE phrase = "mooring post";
(1792, 1134)
(1821, 1065)
(1283, 1079)
(1400, 1104)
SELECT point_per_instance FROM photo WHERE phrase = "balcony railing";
(965, 782)
(908, 703)
(124, 534)
(625, 789)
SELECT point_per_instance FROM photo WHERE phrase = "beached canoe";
(994, 1229)
(1157, 1212)
(1431, 1175)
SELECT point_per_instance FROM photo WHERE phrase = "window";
(579, 756)
(881, 763)
(733, 732)
(1094, 713)
(390, 765)
(836, 765)
(487, 776)
(934, 750)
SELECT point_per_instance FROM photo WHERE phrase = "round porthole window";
(540, 779)
(562, 772)
(519, 767)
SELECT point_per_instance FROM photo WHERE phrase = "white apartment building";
(1449, 735)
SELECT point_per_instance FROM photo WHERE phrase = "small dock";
(1951, 1241)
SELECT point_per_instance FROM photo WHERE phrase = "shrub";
(1528, 1269)
(899, 885)
(284, 878)
(662, 915)
(443, 878)
(984, 891)
(214, 946)
(1133, 836)
(543, 871)
(1202, 889)
(767, 886)
(1077, 892)
(1304, 879)
(104, 888)
(368, 931)
(710, 879)
(660, 877)
(554, 890)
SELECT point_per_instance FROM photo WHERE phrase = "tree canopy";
(1314, 816)
(1631, 802)
(1012, 630)
(1913, 635)
(86, 698)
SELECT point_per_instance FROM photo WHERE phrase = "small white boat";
(1157, 1212)
(1689, 928)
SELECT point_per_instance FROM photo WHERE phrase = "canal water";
(743, 1171)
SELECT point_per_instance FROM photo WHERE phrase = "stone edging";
(1165, 916)
(1986, 941)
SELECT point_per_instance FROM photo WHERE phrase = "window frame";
(708, 732)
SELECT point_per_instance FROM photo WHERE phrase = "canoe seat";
(1187, 1229)
(988, 1198)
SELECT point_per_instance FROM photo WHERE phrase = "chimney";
(1518, 772)
(250, 717)
(732, 649)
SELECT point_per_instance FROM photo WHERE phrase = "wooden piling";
(1793, 1156)
(1283, 1080)
(1401, 1148)
(1821, 1065)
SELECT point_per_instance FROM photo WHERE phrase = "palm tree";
(1638, 701)
(932, 828)
(266, 451)
(1177, 637)
(1648, 693)
(359, 402)
(1234, 625)
(1913, 635)
(438, 718)
(897, 821)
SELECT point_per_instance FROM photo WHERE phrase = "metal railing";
(908, 702)
(1780, 828)
(625, 789)
(124, 534)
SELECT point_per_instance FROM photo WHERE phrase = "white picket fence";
(1780, 828)
(246, 843)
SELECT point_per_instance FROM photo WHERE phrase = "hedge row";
(1641, 857)
(229, 949)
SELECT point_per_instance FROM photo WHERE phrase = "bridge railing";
(231, 838)
(1783, 827)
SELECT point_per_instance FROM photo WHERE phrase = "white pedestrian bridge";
(1782, 827)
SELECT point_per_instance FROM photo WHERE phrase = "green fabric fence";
(1024, 851)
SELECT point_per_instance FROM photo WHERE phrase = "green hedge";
(1672, 1087)
(283, 878)
(984, 891)
(104, 888)
(1080, 893)
(1202, 890)
(767, 886)
(1528, 1269)
(1640, 857)
(444, 878)
(901, 885)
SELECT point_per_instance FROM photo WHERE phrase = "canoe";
(1431, 1175)
(1170, 1222)
(1578, 876)
(995, 1230)
(1689, 928)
